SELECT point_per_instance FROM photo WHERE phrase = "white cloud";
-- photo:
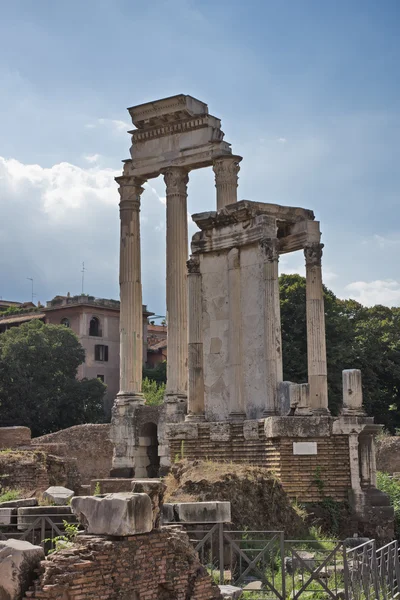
(116, 125)
(92, 158)
(282, 140)
(55, 218)
(369, 293)
(386, 241)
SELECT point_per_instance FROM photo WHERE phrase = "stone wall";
(13, 437)
(388, 454)
(306, 478)
(160, 565)
(89, 444)
(23, 470)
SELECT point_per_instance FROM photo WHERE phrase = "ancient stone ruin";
(226, 397)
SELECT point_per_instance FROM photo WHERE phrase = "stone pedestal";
(226, 169)
(195, 358)
(273, 336)
(316, 346)
(131, 316)
(352, 393)
(176, 180)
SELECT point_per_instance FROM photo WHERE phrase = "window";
(65, 322)
(94, 327)
(101, 377)
(101, 353)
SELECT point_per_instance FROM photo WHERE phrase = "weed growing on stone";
(8, 495)
(63, 541)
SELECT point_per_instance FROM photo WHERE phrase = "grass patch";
(9, 495)
(391, 486)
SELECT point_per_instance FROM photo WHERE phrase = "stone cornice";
(245, 210)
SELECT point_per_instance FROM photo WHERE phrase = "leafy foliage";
(153, 392)
(391, 487)
(8, 495)
(357, 337)
(38, 385)
(158, 374)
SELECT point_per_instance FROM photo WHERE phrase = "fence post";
(43, 531)
(221, 553)
(375, 574)
(283, 566)
(347, 587)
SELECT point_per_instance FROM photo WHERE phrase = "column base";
(174, 397)
(237, 416)
(129, 398)
(195, 418)
(270, 413)
(324, 412)
(348, 412)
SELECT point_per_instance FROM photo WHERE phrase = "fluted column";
(316, 345)
(236, 396)
(273, 335)
(131, 313)
(176, 180)
(226, 169)
(195, 358)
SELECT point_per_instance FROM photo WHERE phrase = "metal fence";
(266, 566)
(42, 530)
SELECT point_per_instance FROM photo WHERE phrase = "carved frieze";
(313, 254)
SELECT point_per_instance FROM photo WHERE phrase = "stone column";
(236, 397)
(352, 393)
(195, 357)
(273, 336)
(316, 345)
(131, 313)
(176, 180)
(226, 169)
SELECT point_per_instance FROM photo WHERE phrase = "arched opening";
(65, 322)
(147, 463)
(94, 327)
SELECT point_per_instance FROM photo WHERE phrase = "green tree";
(38, 385)
(153, 392)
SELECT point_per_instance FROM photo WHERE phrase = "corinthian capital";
(130, 189)
(226, 169)
(176, 180)
(270, 249)
(193, 265)
(313, 254)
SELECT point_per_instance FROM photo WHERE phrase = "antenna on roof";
(31, 280)
(83, 276)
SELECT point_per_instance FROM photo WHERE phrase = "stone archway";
(147, 463)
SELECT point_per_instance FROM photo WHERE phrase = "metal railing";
(40, 531)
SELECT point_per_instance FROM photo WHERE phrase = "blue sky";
(308, 94)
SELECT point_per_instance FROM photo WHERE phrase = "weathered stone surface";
(112, 485)
(7, 516)
(19, 503)
(155, 489)
(120, 514)
(28, 515)
(18, 561)
(58, 494)
(13, 437)
(230, 592)
(297, 426)
(198, 512)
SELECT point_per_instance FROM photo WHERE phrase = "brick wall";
(23, 470)
(89, 444)
(305, 478)
(160, 565)
(13, 437)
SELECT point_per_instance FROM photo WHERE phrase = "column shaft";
(131, 313)
(236, 397)
(316, 345)
(176, 179)
(195, 356)
(273, 335)
(226, 169)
